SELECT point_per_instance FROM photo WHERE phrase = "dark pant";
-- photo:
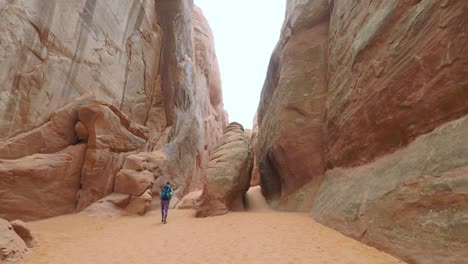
(164, 208)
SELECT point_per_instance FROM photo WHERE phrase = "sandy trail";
(247, 237)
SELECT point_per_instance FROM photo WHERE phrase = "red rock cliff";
(91, 87)
(362, 120)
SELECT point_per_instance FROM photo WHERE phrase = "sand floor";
(247, 237)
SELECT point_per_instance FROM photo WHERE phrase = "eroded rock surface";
(140, 204)
(111, 206)
(228, 174)
(190, 201)
(404, 75)
(41, 185)
(55, 51)
(192, 88)
(362, 118)
(292, 102)
(133, 182)
(110, 141)
(410, 202)
(12, 247)
(24, 232)
(56, 134)
(92, 75)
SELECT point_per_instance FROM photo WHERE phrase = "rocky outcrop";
(120, 204)
(362, 119)
(110, 139)
(110, 206)
(133, 182)
(140, 204)
(228, 174)
(11, 245)
(190, 201)
(55, 135)
(24, 232)
(41, 185)
(15, 238)
(84, 97)
(411, 203)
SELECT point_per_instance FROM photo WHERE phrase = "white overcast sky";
(245, 33)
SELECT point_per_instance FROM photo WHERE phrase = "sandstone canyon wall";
(92, 87)
(363, 122)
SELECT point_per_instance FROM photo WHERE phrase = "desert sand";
(257, 236)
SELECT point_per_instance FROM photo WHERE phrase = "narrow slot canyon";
(200, 131)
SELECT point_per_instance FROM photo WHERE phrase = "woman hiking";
(166, 195)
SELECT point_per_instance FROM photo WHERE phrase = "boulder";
(140, 204)
(111, 206)
(12, 247)
(156, 162)
(98, 175)
(41, 185)
(119, 204)
(190, 200)
(174, 202)
(133, 182)
(150, 161)
(228, 174)
(24, 232)
(120, 200)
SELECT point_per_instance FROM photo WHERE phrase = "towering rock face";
(362, 119)
(228, 174)
(192, 87)
(59, 50)
(292, 102)
(133, 84)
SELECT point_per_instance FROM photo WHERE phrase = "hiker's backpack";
(166, 192)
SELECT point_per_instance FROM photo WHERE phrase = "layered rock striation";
(362, 122)
(104, 98)
(228, 174)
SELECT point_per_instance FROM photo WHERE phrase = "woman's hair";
(168, 182)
